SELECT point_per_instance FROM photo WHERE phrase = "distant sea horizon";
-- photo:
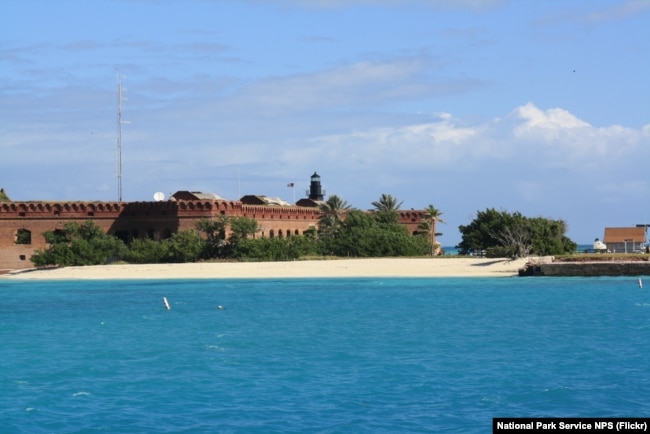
(453, 250)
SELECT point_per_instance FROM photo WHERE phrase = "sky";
(538, 107)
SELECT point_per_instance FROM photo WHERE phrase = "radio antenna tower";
(118, 150)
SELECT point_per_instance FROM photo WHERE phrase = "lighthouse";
(315, 191)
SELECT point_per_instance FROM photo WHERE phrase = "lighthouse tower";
(315, 192)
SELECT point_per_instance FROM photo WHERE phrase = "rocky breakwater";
(611, 267)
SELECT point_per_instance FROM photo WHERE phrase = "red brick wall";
(133, 220)
(156, 220)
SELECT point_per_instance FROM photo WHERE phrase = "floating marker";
(640, 283)
(220, 307)
(166, 303)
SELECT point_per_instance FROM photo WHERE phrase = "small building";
(625, 240)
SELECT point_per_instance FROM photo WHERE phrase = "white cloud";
(552, 119)
(527, 137)
(564, 139)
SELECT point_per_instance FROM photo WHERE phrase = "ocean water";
(441, 355)
(453, 250)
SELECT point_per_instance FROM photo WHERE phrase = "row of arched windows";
(192, 205)
(281, 234)
(411, 215)
(271, 212)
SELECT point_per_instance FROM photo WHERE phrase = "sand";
(376, 267)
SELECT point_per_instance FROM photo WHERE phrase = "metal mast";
(118, 150)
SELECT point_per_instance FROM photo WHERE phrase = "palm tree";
(387, 202)
(432, 214)
(387, 208)
(332, 213)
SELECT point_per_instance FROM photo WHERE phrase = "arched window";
(271, 233)
(23, 236)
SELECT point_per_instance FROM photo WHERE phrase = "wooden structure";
(625, 240)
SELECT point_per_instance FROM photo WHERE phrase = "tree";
(387, 202)
(147, 251)
(548, 237)
(76, 244)
(387, 208)
(363, 235)
(275, 249)
(215, 236)
(516, 239)
(502, 234)
(433, 216)
(332, 214)
(242, 228)
(477, 236)
(184, 246)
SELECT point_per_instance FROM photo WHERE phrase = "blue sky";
(541, 107)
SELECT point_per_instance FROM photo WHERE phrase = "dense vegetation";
(78, 244)
(504, 234)
(342, 232)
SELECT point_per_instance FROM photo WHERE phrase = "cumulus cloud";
(566, 140)
(528, 136)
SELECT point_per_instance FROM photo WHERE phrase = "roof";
(3, 196)
(311, 203)
(263, 200)
(195, 195)
(620, 235)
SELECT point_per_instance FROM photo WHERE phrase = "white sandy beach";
(376, 267)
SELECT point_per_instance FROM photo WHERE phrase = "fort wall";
(22, 224)
(132, 220)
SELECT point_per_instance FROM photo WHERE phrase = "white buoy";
(166, 303)
(220, 307)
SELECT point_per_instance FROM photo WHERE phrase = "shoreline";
(331, 268)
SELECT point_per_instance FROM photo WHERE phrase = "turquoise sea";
(441, 355)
